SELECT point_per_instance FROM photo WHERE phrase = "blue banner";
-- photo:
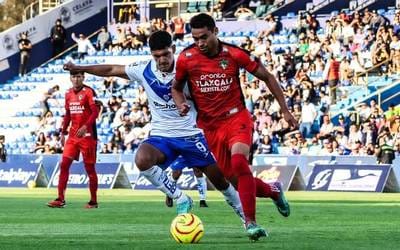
(107, 174)
(367, 178)
(17, 175)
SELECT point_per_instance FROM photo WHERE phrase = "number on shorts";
(201, 147)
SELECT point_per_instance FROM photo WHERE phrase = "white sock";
(202, 187)
(160, 180)
(232, 198)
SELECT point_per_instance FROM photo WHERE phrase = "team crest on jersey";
(80, 97)
(223, 63)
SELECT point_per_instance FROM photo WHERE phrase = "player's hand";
(81, 131)
(289, 118)
(69, 66)
(183, 109)
(62, 139)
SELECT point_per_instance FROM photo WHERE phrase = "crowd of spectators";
(313, 73)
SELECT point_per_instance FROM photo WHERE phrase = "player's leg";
(201, 186)
(148, 156)
(88, 148)
(239, 140)
(231, 196)
(70, 153)
(175, 174)
(195, 151)
(269, 190)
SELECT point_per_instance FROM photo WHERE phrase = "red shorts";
(237, 128)
(86, 145)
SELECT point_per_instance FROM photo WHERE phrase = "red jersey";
(214, 81)
(80, 109)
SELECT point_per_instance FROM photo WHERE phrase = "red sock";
(264, 189)
(93, 182)
(246, 185)
(63, 179)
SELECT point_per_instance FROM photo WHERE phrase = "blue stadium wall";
(42, 51)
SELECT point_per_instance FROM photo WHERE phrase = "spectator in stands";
(134, 13)
(333, 77)
(49, 94)
(141, 35)
(326, 128)
(58, 37)
(308, 116)
(123, 13)
(25, 47)
(385, 150)
(104, 149)
(84, 46)
(265, 146)
(247, 44)
(178, 28)
(242, 13)
(3, 151)
(103, 39)
(40, 142)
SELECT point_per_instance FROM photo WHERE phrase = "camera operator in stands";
(3, 151)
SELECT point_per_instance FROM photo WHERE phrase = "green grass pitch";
(130, 219)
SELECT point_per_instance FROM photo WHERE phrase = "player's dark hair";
(76, 72)
(202, 20)
(160, 40)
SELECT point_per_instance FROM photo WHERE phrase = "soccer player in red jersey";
(211, 69)
(81, 111)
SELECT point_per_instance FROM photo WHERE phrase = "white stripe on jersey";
(166, 120)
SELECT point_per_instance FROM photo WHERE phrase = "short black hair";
(202, 20)
(160, 40)
(76, 72)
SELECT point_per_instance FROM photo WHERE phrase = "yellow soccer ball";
(31, 184)
(187, 228)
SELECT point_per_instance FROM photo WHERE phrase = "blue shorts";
(193, 150)
(179, 164)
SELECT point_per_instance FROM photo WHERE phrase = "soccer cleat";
(169, 201)
(281, 203)
(184, 207)
(203, 203)
(254, 231)
(91, 204)
(57, 203)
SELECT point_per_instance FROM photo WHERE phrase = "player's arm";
(273, 85)
(99, 70)
(92, 118)
(178, 85)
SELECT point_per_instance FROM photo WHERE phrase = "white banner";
(38, 28)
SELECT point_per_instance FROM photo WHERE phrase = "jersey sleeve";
(181, 69)
(245, 60)
(91, 97)
(134, 71)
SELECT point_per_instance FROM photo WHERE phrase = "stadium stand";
(300, 49)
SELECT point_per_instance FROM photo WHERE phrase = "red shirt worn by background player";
(80, 109)
(214, 82)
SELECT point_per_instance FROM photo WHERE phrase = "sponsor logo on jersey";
(223, 64)
(214, 83)
(76, 108)
(164, 106)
